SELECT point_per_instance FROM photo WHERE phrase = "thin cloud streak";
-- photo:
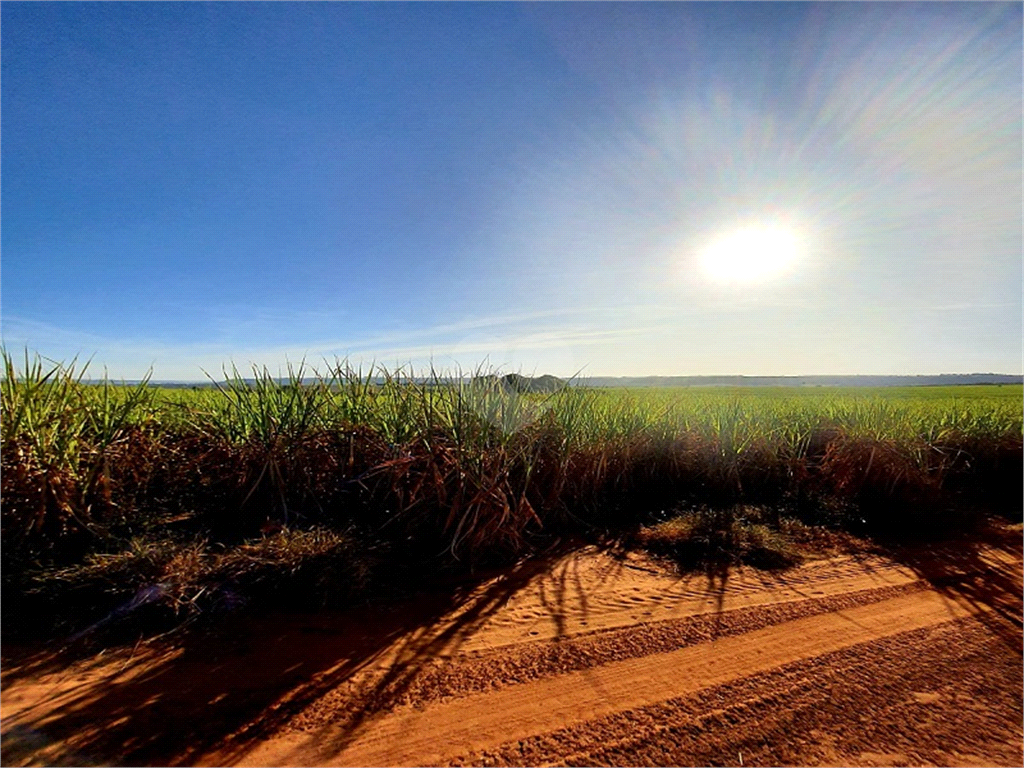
(654, 340)
(130, 359)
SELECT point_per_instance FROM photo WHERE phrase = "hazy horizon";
(304, 371)
(622, 189)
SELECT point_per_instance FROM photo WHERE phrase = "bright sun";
(750, 254)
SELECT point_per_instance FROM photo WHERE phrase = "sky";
(597, 188)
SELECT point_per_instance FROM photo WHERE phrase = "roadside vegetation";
(333, 485)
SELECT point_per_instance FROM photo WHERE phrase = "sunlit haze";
(608, 188)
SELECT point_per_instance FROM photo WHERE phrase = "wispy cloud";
(509, 339)
(769, 337)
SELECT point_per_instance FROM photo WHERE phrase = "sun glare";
(750, 254)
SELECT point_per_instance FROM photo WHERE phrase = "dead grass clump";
(159, 582)
(107, 586)
(314, 567)
(709, 538)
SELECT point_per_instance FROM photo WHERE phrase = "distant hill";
(545, 383)
(516, 382)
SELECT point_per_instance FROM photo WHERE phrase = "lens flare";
(750, 254)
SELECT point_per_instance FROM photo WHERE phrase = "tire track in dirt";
(480, 672)
(481, 722)
(452, 658)
(583, 593)
(932, 703)
(582, 658)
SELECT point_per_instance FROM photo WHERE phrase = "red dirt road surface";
(583, 659)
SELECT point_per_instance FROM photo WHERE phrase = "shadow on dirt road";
(226, 688)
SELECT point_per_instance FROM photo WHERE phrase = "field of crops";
(309, 488)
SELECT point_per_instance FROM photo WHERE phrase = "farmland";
(382, 569)
(311, 489)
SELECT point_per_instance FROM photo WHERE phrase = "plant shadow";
(222, 690)
(982, 570)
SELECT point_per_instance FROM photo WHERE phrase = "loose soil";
(585, 658)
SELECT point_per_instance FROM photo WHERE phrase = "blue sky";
(189, 184)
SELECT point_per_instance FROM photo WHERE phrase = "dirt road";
(581, 659)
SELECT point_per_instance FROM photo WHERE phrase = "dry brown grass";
(109, 491)
(714, 538)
